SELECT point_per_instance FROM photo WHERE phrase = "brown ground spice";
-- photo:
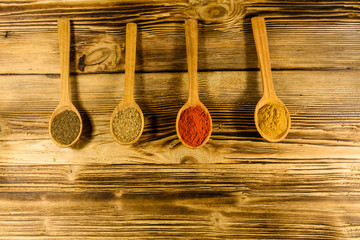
(65, 127)
(273, 120)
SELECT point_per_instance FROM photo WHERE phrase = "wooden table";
(237, 186)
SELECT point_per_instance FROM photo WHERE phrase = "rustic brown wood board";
(237, 186)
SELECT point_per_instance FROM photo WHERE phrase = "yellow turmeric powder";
(273, 120)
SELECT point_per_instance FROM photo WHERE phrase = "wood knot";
(93, 58)
(72, 173)
(185, 155)
(81, 64)
(188, 160)
(215, 11)
(101, 54)
(353, 15)
(97, 56)
(217, 220)
(219, 12)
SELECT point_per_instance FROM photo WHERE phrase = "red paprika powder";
(194, 126)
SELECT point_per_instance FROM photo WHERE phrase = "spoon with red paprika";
(193, 122)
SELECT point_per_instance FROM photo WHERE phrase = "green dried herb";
(65, 127)
(127, 124)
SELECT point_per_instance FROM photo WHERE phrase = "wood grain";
(231, 201)
(237, 186)
(325, 122)
(302, 35)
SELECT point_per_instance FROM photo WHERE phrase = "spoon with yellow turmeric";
(272, 119)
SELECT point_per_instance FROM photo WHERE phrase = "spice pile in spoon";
(194, 126)
(65, 127)
(273, 120)
(127, 125)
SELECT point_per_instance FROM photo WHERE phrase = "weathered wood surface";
(305, 34)
(322, 104)
(278, 201)
(237, 186)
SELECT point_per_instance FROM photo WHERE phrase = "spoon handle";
(191, 36)
(64, 46)
(262, 49)
(130, 60)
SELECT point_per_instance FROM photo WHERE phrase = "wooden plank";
(211, 201)
(208, 218)
(302, 35)
(236, 187)
(322, 104)
(148, 10)
(255, 181)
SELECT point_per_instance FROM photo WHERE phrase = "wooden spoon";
(65, 102)
(269, 95)
(191, 35)
(128, 99)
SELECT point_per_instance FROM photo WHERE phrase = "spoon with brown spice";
(127, 120)
(272, 119)
(193, 122)
(65, 123)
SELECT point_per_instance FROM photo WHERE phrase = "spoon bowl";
(128, 99)
(119, 108)
(65, 102)
(269, 95)
(59, 109)
(191, 34)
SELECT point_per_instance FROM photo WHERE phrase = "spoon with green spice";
(272, 119)
(65, 123)
(127, 120)
(194, 131)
